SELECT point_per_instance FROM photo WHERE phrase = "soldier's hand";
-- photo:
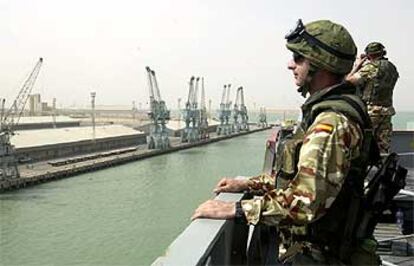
(215, 209)
(231, 185)
(359, 61)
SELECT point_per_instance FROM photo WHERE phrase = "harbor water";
(125, 215)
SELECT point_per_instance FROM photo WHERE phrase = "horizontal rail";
(200, 239)
(396, 238)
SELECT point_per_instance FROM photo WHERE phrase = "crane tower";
(240, 116)
(159, 114)
(8, 120)
(224, 113)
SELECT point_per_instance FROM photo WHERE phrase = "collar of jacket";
(340, 88)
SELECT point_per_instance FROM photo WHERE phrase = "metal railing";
(209, 242)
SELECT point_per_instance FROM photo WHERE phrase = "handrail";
(206, 241)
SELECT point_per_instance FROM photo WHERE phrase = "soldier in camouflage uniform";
(376, 76)
(320, 165)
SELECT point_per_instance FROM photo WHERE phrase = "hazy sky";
(104, 46)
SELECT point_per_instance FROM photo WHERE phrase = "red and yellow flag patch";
(321, 127)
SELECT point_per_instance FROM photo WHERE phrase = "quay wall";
(58, 150)
(176, 132)
(28, 126)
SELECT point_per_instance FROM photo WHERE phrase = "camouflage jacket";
(376, 82)
(329, 144)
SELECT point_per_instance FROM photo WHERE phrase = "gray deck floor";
(398, 252)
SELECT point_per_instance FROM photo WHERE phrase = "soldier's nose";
(291, 64)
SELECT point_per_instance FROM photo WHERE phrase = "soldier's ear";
(385, 53)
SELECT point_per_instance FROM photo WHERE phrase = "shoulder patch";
(323, 127)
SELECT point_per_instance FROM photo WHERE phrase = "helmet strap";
(304, 89)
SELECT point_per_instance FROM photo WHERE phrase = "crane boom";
(228, 95)
(241, 96)
(13, 114)
(157, 90)
(237, 101)
(223, 96)
(195, 95)
(151, 90)
(190, 90)
(203, 98)
(150, 85)
(2, 102)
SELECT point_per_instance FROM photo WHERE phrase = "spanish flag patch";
(323, 128)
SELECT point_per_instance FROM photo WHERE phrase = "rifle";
(270, 153)
(264, 244)
(273, 146)
(378, 194)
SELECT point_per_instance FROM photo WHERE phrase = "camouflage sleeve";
(329, 145)
(261, 183)
(367, 72)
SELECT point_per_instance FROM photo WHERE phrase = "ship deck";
(395, 248)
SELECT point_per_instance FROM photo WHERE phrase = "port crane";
(159, 114)
(191, 113)
(195, 115)
(243, 112)
(8, 120)
(262, 118)
(187, 110)
(240, 116)
(224, 112)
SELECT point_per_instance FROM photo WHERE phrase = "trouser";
(382, 131)
(312, 259)
(264, 250)
(264, 246)
(362, 255)
(303, 254)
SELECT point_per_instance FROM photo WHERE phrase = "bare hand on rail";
(231, 185)
(215, 209)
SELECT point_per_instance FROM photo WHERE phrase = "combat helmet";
(374, 48)
(325, 44)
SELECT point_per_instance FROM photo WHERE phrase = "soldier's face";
(300, 68)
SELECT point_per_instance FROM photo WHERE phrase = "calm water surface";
(126, 215)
